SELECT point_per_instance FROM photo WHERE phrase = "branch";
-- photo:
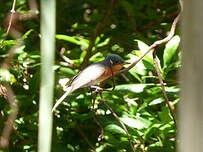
(5, 89)
(11, 17)
(156, 43)
(10, 96)
(11, 21)
(163, 87)
(4, 139)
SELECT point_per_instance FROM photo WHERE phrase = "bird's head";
(114, 59)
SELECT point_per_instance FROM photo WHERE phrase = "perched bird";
(94, 73)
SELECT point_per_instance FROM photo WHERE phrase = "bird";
(93, 74)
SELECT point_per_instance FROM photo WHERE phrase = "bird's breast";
(108, 72)
(117, 67)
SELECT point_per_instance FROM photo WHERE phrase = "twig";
(96, 121)
(11, 17)
(11, 53)
(156, 43)
(99, 89)
(4, 139)
(10, 96)
(68, 62)
(163, 87)
(122, 124)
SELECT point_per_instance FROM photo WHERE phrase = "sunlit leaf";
(139, 123)
(6, 76)
(74, 39)
(115, 129)
(143, 47)
(156, 101)
(105, 42)
(165, 115)
(152, 130)
(136, 88)
(170, 50)
(139, 68)
(8, 43)
(25, 36)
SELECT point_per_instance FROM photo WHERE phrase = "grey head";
(114, 59)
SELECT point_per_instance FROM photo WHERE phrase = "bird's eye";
(115, 61)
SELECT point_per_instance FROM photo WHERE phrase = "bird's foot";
(99, 89)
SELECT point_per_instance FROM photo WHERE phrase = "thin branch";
(10, 96)
(67, 62)
(156, 43)
(6, 133)
(163, 87)
(11, 53)
(11, 17)
(6, 89)
(96, 121)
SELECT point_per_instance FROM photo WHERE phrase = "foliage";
(124, 27)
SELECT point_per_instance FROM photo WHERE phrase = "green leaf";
(115, 129)
(8, 43)
(139, 68)
(156, 101)
(105, 42)
(20, 50)
(139, 123)
(164, 115)
(67, 70)
(170, 50)
(25, 36)
(143, 47)
(135, 88)
(152, 130)
(172, 89)
(74, 39)
(6, 76)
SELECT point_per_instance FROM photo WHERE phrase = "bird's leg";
(90, 90)
(100, 93)
(99, 89)
(112, 79)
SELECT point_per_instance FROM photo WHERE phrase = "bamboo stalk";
(47, 74)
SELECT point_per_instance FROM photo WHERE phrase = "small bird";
(94, 73)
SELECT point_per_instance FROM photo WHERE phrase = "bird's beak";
(126, 62)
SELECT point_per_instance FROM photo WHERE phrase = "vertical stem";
(157, 67)
(11, 17)
(47, 74)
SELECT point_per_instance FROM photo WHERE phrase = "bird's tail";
(68, 91)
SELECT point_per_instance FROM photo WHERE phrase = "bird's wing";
(86, 77)
(89, 76)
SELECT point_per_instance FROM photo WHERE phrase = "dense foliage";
(87, 31)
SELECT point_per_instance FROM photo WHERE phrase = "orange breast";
(117, 67)
(108, 72)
